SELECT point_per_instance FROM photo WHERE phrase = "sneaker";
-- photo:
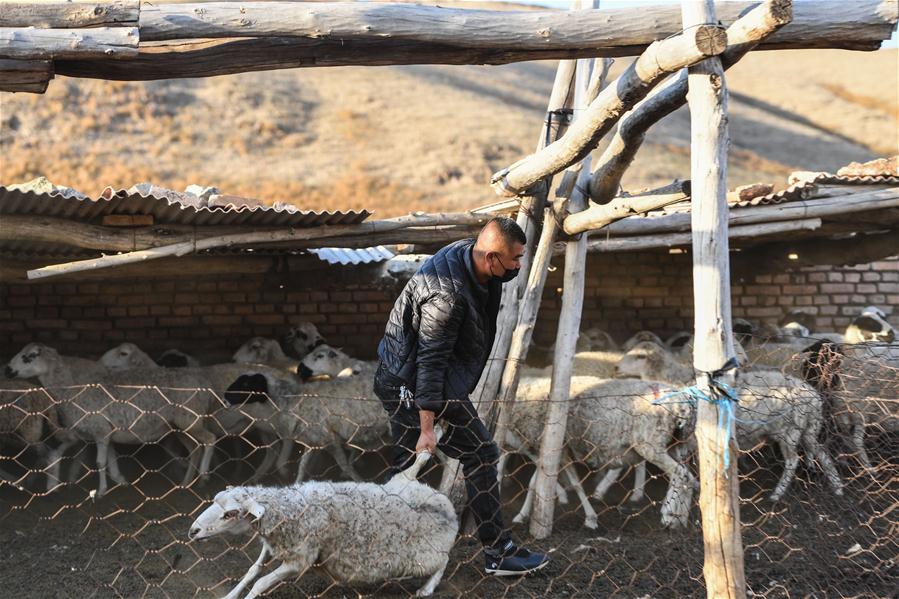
(513, 561)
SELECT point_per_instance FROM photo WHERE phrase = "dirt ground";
(132, 542)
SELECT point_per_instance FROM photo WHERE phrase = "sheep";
(125, 357)
(173, 358)
(611, 423)
(260, 350)
(302, 339)
(27, 419)
(861, 383)
(350, 532)
(600, 364)
(870, 325)
(591, 339)
(101, 407)
(640, 337)
(771, 407)
(797, 323)
(346, 407)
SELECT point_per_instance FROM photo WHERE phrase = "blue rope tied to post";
(720, 394)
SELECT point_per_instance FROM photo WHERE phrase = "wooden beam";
(127, 220)
(860, 24)
(719, 499)
(51, 14)
(641, 76)
(742, 36)
(861, 248)
(667, 240)
(600, 215)
(261, 237)
(86, 43)
(861, 201)
(25, 75)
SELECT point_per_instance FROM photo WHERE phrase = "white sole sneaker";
(514, 572)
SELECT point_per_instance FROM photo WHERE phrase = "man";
(437, 341)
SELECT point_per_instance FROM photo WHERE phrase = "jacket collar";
(467, 250)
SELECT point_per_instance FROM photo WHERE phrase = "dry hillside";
(395, 139)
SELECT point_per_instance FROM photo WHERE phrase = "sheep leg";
(815, 449)
(304, 463)
(344, 462)
(284, 455)
(791, 460)
(525, 512)
(561, 492)
(280, 573)
(102, 456)
(112, 462)
(54, 461)
(676, 506)
(252, 573)
(267, 462)
(603, 486)
(590, 519)
(858, 442)
(433, 581)
(639, 483)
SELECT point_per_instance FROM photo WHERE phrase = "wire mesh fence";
(817, 430)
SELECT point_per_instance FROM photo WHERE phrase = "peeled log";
(50, 14)
(99, 42)
(857, 24)
(641, 76)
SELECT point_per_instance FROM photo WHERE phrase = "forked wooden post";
(554, 428)
(719, 497)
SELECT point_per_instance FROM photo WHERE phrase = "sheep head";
(232, 511)
(303, 338)
(34, 360)
(642, 337)
(324, 361)
(645, 360)
(258, 350)
(126, 356)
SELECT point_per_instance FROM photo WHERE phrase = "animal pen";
(770, 526)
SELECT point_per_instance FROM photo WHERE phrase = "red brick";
(160, 310)
(298, 296)
(871, 276)
(218, 320)
(138, 311)
(175, 321)
(888, 287)
(21, 300)
(187, 298)
(318, 296)
(836, 288)
(265, 319)
(135, 323)
(800, 289)
(182, 310)
(852, 277)
(91, 325)
(835, 277)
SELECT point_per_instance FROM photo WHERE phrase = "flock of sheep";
(790, 381)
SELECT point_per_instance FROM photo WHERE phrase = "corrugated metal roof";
(353, 256)
(169, 207)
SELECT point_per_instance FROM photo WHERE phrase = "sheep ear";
(252, 507)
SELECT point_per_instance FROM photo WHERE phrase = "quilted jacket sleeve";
(441, 317)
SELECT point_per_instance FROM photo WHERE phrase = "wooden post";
(25, 75)
(553, 440)
(719, 497)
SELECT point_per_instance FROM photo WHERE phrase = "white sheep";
(641, 337)
(771, 407)
(126, 356)
(345, 407)
(302, 339)
(861, 382)
(612, 424)
(591, 339)
(131, 406)
(600, 364)
(351, 532)
(261, 350)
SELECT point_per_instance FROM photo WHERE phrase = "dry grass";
(417, 138)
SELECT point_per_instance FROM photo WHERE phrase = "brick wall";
(213, 315)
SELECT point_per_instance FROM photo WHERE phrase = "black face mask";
(507, 276)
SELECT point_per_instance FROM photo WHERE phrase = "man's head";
(499, 249)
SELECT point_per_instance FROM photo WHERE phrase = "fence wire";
(61, 535)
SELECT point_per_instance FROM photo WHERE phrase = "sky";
(563, 4)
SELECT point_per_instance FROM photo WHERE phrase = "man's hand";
(427, 440)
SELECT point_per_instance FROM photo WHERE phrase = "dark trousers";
(465, 438)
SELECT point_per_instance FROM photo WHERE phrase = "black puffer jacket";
(440, 332)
